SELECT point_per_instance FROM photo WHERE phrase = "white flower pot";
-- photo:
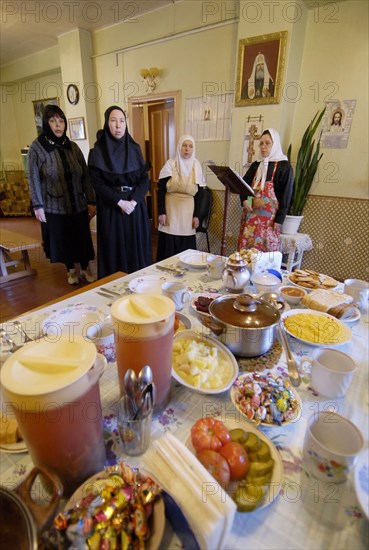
(291, 224)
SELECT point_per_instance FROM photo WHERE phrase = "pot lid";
(244, 311)
(17, 528)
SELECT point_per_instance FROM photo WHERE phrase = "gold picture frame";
(77, 128)
(261, 61)
(39, 109)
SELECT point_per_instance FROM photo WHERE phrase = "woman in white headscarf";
(180, 192)
(272, 181)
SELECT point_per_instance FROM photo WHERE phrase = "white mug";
(331, 372)
(359, 290)
(176, 292)
(214, 266)
(104, 341)
(332, 443)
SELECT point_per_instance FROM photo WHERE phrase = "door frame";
(155, 98)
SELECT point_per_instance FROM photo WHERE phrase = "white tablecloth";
(306, 514)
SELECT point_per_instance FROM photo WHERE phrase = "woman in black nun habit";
(119, 175)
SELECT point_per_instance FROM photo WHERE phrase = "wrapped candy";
(114, 512)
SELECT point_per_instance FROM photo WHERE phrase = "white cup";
(176, 292)
(359, 290)
(214, 266)
(332, 443)
(104, 341)
(331, 372)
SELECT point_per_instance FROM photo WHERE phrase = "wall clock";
(73, 94)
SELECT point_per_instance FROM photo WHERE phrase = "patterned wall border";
(338, 227)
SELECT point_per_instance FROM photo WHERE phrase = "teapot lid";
(236, 259)
(244, 311)
(44, 366)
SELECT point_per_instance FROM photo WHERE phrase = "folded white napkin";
(206, 506)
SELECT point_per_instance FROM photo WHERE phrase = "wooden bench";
(11, 242)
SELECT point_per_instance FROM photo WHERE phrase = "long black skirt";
(67, 239)
(123, 241)
(169, 245)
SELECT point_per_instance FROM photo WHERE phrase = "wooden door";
(154, 125)
(162, 145)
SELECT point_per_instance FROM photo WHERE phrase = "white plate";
(207, 295)
(195, 260)
(273, 489)
(353, 318)
(184, 320)
(224, 353)
(316, 288)
(148, 284)
(75, 319)
(361, 481)
(158, 519)
(296, 413)
(19, 447)
(329, 338)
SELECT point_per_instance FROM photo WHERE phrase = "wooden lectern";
(233, 183)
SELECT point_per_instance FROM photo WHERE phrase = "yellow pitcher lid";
(43, 366)
(142, 308)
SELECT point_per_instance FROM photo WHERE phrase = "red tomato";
(209, 433)
(237, 458)
(216, 465)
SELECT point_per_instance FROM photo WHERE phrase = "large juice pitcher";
(144, 330)
(53, 390)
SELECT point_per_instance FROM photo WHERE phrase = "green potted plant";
(308, 158)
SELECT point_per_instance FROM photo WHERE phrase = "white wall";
(326, 44)
(335, 66)
(18, 127)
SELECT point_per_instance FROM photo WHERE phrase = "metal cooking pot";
(23, 519)
(244, 323)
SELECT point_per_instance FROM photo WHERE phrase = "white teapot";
(235, 274)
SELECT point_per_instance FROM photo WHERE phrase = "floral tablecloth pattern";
(307, 513)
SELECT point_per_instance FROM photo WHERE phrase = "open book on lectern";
(232, 179)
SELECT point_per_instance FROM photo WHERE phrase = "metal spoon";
(8, 340)
(293, 373)
(145, 377)
(131, 385)
(146, 402)
(18, 325)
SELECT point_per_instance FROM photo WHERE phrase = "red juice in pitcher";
(53, 389)
(144, 330)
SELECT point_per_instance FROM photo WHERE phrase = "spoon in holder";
(293, 372)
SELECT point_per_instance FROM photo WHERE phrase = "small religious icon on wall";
(253, 131)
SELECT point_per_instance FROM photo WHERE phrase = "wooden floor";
(23, 294)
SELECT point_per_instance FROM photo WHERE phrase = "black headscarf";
(116, 156)
(48, 139)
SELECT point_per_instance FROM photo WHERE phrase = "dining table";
(304, 513)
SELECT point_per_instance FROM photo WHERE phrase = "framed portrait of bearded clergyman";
(261, 61)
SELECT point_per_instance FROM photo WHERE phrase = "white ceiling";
(27, 27)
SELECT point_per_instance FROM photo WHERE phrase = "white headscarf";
(185, 166)
(276, 154)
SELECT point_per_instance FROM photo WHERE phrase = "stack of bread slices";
(335, 303)
(9, 430)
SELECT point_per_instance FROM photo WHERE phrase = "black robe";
(123, 241)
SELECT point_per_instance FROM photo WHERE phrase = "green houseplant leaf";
(308, 158)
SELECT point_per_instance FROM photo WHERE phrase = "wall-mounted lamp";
(150, 76)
